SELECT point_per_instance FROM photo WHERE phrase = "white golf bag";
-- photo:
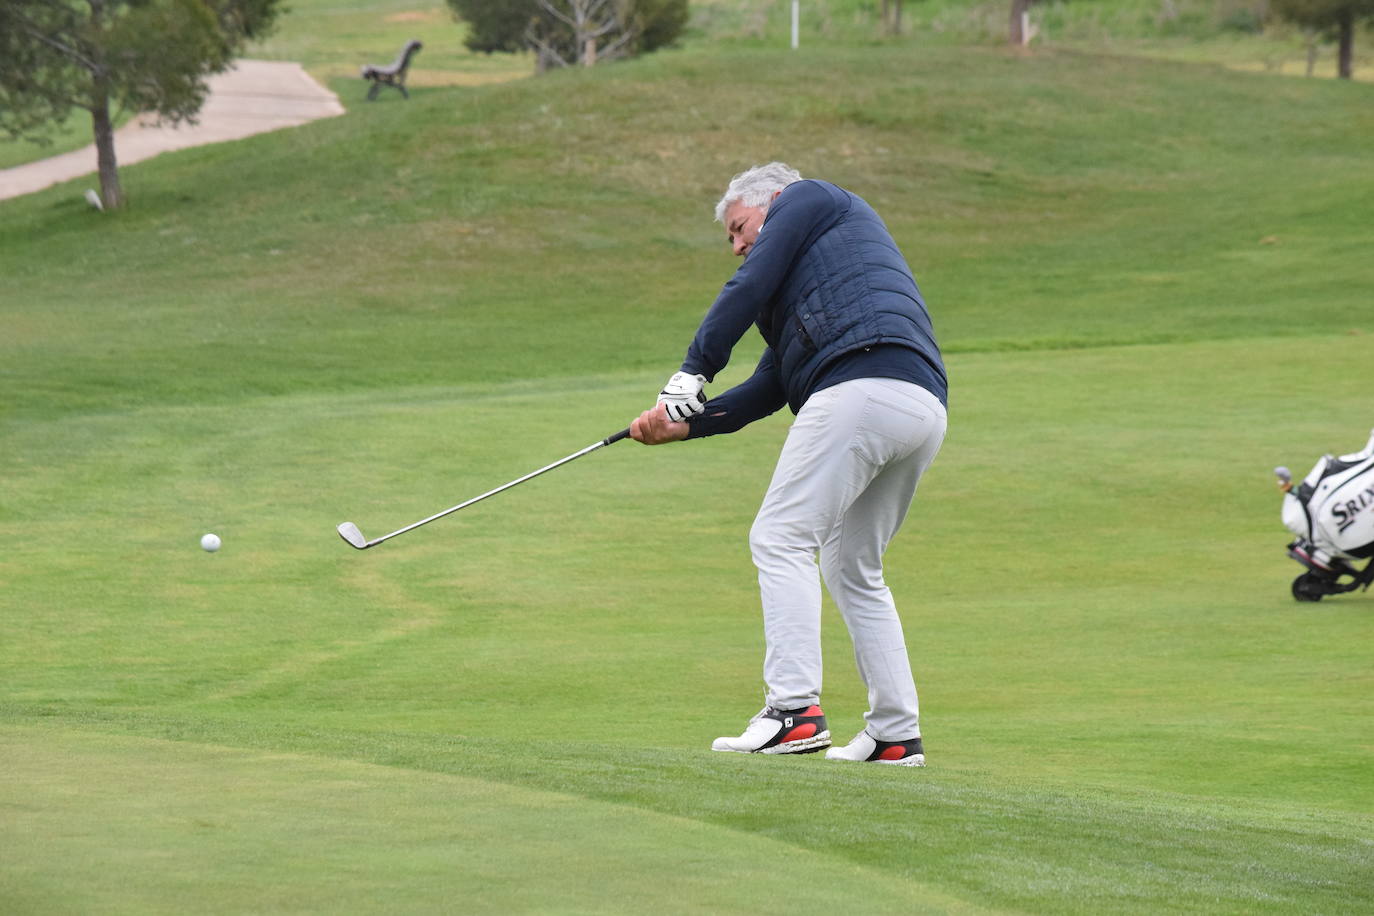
(1332, 514)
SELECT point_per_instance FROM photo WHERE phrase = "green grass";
(333, 38)
(1243, 34)
(336, 810)
(1150, 283)
(72, 134)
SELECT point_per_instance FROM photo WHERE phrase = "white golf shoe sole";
(803, 746)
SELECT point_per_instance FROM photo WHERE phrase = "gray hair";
(755, 187)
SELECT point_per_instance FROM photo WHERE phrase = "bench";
(394, 74)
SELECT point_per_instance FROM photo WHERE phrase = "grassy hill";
(332, 38)
(1062, 200)
(1148, 276)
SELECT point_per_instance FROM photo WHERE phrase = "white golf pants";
(842, 486)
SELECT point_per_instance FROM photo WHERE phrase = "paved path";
(255, 97)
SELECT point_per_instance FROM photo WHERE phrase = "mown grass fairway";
(1152, 285)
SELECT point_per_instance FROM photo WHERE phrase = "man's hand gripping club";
(681, 398)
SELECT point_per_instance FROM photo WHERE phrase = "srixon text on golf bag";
(1332, 513)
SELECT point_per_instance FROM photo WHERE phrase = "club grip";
(623, 434)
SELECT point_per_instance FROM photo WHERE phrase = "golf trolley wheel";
(1308, 587)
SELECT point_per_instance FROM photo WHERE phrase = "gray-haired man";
(851, 351)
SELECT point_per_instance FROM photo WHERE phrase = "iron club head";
(350, 533)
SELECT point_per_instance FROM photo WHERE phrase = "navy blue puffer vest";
(847, 288)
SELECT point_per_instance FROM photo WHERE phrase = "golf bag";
(1332, 514)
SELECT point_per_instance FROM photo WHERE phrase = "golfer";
(851, 351)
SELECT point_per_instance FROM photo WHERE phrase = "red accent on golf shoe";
(896, 752)
(800, 732)
(812, 711)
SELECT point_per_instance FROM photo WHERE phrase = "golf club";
(350, 533)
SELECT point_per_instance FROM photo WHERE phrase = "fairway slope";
(258, 826)
(223, 829)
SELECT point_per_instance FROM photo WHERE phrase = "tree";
(578, 31)
(567, 32)
(658, 22)
(494, 25)
(1021, 31)
(99, 55)
(1333, 20)
(891, 14)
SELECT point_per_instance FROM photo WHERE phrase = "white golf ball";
(210, 542)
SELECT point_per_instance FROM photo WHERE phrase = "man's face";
(742, 225)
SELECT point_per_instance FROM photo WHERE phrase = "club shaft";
(624, 433)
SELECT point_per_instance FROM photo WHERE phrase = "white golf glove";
(683, 396)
